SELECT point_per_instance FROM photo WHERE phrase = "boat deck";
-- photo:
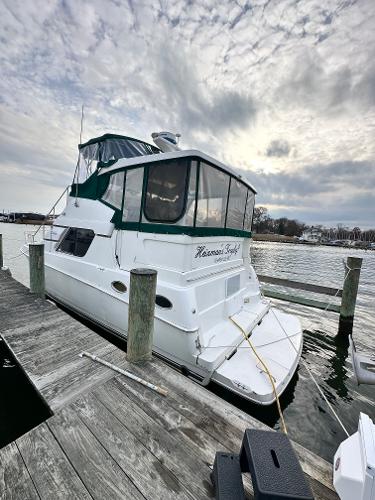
(109, 437)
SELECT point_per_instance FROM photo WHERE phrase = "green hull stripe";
(190, 231)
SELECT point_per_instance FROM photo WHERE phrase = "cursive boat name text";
(228, 250)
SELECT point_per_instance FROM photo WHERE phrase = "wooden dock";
(109, 437)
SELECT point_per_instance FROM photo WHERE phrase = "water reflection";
(339, 374)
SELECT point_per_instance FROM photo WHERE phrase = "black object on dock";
(226, 477)
(275, 470)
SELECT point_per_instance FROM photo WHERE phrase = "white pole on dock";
(36, 267)
(141, 314)
(156, 388)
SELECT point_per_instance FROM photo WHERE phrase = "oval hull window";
(162, 301)
(119, 287)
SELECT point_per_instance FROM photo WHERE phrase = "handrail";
(52, 210)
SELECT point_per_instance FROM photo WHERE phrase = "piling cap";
(143, 272)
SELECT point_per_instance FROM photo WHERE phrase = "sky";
(281, 90)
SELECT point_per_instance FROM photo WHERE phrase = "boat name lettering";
(228, 249)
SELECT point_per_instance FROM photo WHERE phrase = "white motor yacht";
(188, 216)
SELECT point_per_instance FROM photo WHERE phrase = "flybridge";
(105, 150)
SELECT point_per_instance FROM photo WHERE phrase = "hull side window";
(133, 195)
(76, 241)
(113, 194)
(166, 188)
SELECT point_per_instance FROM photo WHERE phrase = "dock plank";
(296, 299)
(168, 448)
(52, 473)
(309, 287)
(152, 478)
(226, 424)
(101, 475)
(15, 480)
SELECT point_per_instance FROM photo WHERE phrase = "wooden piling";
(141, 314)
(1, 252)
(349, 295)
(36, 266)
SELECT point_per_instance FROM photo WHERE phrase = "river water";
(307, 416)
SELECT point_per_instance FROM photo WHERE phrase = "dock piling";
(36, 266)
(141, 314)
(349, 295)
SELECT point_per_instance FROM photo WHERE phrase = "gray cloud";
(202, 108)
(278, 148)
(340, 191)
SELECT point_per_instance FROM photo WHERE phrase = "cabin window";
(236, 204)
(165, 195)
(249, 211)
(212, 197)
(76, 241)
(133, 195)
(113, 194)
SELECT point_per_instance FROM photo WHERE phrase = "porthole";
(119, 286)
(163, 302)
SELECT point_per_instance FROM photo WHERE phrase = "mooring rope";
(14, 257)
(312, 377)
(270, 376)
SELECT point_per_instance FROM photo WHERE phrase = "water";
(307, 417)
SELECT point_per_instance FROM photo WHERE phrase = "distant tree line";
(264, 223)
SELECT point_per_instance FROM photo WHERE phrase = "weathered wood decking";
(109, 437)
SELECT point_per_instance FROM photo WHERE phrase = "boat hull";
(241, 374)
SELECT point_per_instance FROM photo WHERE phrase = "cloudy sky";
(283, 90)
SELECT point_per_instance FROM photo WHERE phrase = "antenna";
(76, 175)
(82, 117)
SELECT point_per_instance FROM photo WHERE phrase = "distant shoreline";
(280, 238)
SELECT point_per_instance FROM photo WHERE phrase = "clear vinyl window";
(236, 204)
(212, 197)
(133, 195)
(249, 211)
(114, 191)
(76, 241)
(165, 194)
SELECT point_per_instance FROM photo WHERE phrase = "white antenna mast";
(79, 156)
(82, 117)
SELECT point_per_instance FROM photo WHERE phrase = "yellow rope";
(268, 373)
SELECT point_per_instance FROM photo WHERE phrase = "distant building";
(312, 235)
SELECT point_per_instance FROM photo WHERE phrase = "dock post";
(141, 314)
(1, 252)
(349, 295)
(36, 266)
